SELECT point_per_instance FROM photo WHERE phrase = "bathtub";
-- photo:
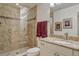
(18, 52)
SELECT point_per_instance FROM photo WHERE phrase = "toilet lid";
(33, 50)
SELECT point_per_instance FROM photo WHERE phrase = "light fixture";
(17, 3)
(52, 4)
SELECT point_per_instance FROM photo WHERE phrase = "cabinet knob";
(56, 54)
(38, 47)
(42, 44)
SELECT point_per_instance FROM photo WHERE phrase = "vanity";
(58, 47)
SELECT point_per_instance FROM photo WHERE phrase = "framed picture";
(58, 26)
(67, 23)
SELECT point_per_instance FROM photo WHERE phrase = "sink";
(62, 41)
(69, 43)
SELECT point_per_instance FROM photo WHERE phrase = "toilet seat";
(33, 51)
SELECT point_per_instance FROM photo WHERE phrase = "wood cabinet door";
(56, 50)
(43, 49)
(75, 53)
(64, 51)
(52, 49)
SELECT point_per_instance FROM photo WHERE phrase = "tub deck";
(18, 52)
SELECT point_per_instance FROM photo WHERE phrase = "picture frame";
(67, 23)
(58, 26)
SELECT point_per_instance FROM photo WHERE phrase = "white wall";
(70, 12)
(78, 22)
(43, 13)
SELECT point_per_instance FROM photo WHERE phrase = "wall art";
(58, 26)
(67, 23)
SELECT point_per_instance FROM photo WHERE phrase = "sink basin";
(71, 41)
(68, 43)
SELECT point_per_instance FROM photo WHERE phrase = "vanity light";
(17, 3)
(52, 4)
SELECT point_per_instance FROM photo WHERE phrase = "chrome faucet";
(66, 36)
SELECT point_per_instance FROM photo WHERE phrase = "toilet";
(33, 51)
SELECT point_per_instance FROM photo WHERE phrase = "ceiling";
(28, 5)
(55, 8)
(62, 6)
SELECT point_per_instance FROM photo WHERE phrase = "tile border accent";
(32, 18)
(75, 38)
(9, 18)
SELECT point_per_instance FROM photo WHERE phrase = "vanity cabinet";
(55, 50)
(48, 49)
(44, 49)
(75, 53)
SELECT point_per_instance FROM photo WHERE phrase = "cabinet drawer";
(65, 51)
(76, 53)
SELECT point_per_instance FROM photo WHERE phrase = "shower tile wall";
(31, 27)
(10, 37)
(4, 33)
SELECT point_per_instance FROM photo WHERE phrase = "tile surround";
(10, 35)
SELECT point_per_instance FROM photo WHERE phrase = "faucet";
(66, 36)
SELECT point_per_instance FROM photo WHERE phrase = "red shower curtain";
(42, 29)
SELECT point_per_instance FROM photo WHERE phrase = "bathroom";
(18, 23)
(39, 29)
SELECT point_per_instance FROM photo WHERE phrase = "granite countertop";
(62, 42)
